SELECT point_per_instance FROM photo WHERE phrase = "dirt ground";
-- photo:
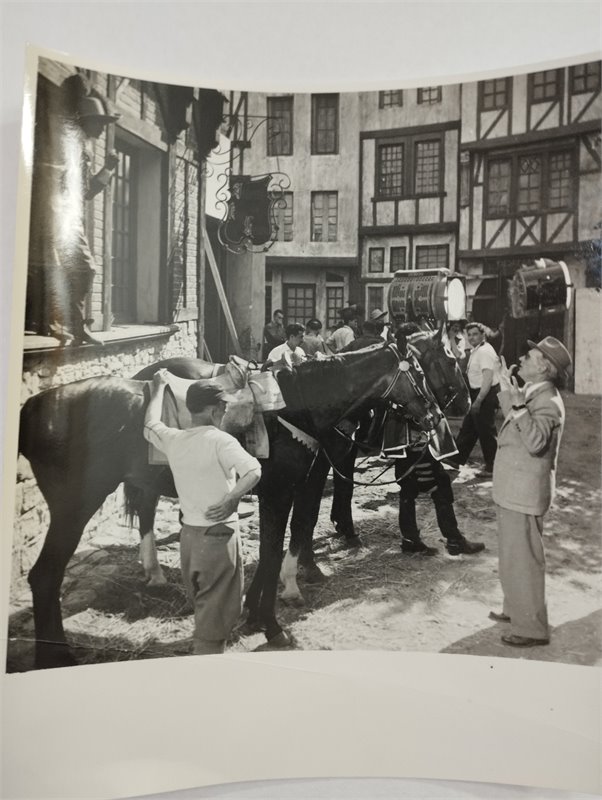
(375, 598)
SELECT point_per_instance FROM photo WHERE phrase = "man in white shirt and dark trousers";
(483, 380)
(212, 472)
(290, 350)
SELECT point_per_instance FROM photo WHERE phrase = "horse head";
(408, 388)
(442, 371)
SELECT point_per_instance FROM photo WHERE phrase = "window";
(585, 77)
(376, 259)
(432, 256)
(123, 302)
(388, 99)
(284, 217)
(559, 180)
(493, 94)
(324, 124)
(499, 186)
(544, 86)
(280, 126)
(390, 170)
(334, 303)
(375, 298)
(428, 163)
(529, 182)
(299, 303)
(324, 216)
(410, 167)
(398, 258)
(429, 95)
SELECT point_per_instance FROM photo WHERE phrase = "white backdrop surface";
(129, 729)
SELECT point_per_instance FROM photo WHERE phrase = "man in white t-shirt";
(290, 350)
(343, 336)
(483, 379)
(212, 472)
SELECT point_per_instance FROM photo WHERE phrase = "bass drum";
(413, 296)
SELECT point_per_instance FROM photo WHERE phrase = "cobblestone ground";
(374, 598)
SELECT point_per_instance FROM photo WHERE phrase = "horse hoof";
(157, 580)
(55, 656)
(282, 639)
(295, 600)
(312, 574)
(351, 542)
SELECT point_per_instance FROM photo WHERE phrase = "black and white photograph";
(301, 404)
(379, 309)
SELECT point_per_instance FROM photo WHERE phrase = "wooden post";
(221, 293)
(107, 213)
(201, 346)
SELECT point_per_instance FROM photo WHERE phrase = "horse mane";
(323, 383)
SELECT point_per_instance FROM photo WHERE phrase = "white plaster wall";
(588, 333)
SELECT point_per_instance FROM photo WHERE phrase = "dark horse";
(84, 439)
(447, 383)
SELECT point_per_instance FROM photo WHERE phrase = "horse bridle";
(439, 369)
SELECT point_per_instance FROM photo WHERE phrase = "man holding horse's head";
(211, 472)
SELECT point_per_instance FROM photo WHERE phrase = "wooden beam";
(221, 293)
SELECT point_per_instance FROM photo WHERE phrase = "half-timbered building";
(529, 186)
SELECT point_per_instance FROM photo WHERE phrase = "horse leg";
(148, 544)
(306, 509)
(340, 513)
(273, 516)
(46, 576)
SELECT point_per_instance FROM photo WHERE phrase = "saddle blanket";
(243, 416)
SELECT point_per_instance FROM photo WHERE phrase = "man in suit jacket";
(524, 478)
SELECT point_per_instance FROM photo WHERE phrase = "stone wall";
(42, 370)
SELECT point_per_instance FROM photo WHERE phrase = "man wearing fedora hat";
(524, 478)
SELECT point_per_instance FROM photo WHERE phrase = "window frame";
(573, 77)
(280, 213)
(126, 312)
(315, 100)
(402, 248)
(380, 288)
(532, 87)
(286, 287)
(270, 140)
(409, 163)
(323, 240)
(482, 95)
(374, 252)
(421, 97)
(544, 207)
(387, 95)
(331, 287)
(439, 247)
